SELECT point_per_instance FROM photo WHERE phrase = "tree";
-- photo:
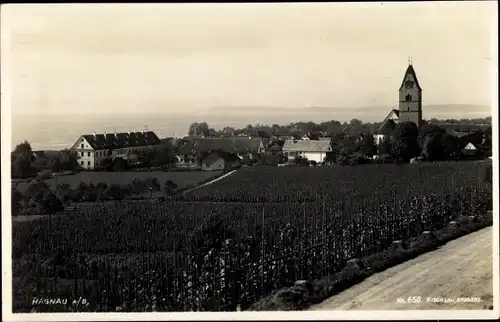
(36, 191)
(385, 146)
(63, 190)
(367, 145)
(22, 158)
(68, 160)
(115, 192)
(196, 129)
(154, 183)
(17, 199)
(50, 203)
(228, 130)
(451, 146)
(247, 160)
(488, 141)
(427, 130)
(405, 141)
(356, 123)
(57, 166)
(390, 126)
(119, 164)
(24, 147)
(343, 157)
(170, 188)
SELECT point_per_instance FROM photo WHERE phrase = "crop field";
(234, 241)
(182, 178)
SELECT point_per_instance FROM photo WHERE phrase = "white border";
(303, 315)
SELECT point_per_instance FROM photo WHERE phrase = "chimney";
(116, 135)
(93, 133)
(128, 131)
(105, 134)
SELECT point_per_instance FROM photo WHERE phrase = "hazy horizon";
(183, 59)
(70, 69)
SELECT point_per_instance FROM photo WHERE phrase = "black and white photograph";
(250, 161)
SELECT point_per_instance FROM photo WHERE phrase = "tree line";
(407, 141)
(25, 164)
(39, 198)
(330, 127)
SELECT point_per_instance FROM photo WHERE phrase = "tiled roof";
(307, 146)
(122, 140)
(460, 130)
(228, 145)
(411, 71)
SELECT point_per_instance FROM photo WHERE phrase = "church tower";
(410, 98)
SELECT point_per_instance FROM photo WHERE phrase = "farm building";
(312, 150)
(286, 136)
(217, 161)
(93, 149)
(461, 130)
(191, 151)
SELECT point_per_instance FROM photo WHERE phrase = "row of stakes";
(355, 265)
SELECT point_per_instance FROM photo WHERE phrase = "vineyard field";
(234, 241)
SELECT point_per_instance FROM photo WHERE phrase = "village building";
(410, 105)
(93, 149)
(191, 151)
(218, 161)
(410, 110)
(312, 150)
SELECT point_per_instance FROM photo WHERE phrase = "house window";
(82, 154)
(408, 98)
(88, 154)
(82, 145)
(88, 163)
(81, 162)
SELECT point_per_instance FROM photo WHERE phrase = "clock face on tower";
(409, 84)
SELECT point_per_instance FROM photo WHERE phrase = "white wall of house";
(378, 138)
(215, 166)
(310, 156)
(314, 156)
(88, 158)
(85, 153)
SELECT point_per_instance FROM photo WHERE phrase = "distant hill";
(280, 115)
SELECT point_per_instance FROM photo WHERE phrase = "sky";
(186, 58)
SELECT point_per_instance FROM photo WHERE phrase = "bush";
(488, 174)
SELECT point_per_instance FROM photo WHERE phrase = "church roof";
(411, 71)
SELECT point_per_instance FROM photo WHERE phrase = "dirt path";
(460, 269)
(212, 181)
